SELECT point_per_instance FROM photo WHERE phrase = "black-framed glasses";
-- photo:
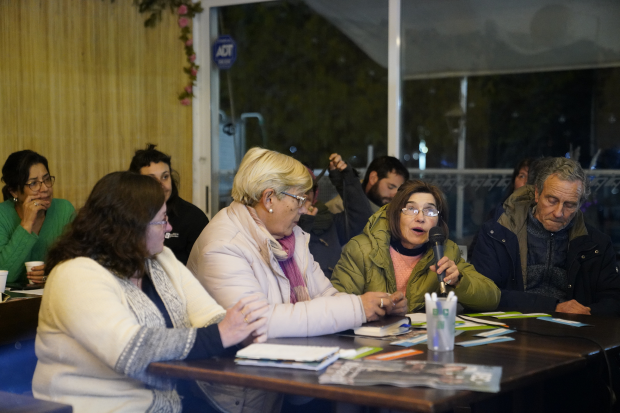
(36, 185)
(429, 212)
(300, 199)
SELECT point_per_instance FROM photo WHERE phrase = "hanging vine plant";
(186, 10)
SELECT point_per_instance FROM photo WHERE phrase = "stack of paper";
(287, 356)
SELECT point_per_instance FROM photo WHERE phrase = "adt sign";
(224, 52)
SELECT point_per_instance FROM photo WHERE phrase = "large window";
(487, 84)
(484, 85)
(299, 86)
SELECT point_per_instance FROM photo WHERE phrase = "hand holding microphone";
(446, 269)
(436, 239)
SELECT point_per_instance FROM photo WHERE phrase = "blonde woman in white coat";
(255, 246)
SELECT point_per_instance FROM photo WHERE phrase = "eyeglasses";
(429, 212)
(300, 199)
(36, 185)
(164, 223)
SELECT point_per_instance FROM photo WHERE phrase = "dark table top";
(527, 360)
(17, 403)
(19, 319)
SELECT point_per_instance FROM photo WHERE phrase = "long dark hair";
(145, 157)
(16, 170)
(111, 227)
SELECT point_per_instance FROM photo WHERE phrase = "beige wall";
(84, 83)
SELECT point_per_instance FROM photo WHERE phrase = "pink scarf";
(284, 249)
(299, 291)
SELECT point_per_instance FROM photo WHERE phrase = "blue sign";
(224, 52)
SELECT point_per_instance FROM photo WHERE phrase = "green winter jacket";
(365, 265)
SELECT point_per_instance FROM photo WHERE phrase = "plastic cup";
(3, 275)
(31, 264)
(440, 318)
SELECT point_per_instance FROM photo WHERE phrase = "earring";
(270, 211)
(15, 199)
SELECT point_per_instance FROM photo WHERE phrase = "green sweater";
(366, 265)
(18, 246)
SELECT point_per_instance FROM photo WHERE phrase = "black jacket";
(501, 251)
(328, 232)
(187, 222)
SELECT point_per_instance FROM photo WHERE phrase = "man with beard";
(383, 178)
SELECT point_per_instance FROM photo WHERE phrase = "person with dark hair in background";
(393, 255)
(383, 177)
(519, 175)
(187, 220)
(117, 300)
(541, 253)
(30, 218)
(328, 231)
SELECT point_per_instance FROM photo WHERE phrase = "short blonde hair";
(261, 169)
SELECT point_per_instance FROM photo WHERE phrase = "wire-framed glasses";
(429, 212)
(300, 199)
(160, 222)
(36, 185)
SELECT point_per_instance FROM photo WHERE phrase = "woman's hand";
(30, 211)
(450, 270)
(36, 274)
(245, 321)
(399, 306)
(376, 304)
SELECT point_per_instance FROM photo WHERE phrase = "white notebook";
(287, 356)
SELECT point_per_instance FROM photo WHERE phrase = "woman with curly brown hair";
(117, 299)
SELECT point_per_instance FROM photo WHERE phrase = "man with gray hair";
(541, 253)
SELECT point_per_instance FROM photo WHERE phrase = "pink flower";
(182, 9)
(194, 72)
(183, 22)
(188, 89)
(192, 58)
(186, 102)
(189, 43)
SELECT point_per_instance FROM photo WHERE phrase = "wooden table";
(527, 362)
(19, 319)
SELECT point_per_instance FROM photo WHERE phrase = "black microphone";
(436, 239)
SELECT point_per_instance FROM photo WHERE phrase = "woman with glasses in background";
(30, 218)
(393, 254)
(255, 246)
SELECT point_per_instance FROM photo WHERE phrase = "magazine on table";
(411, 373)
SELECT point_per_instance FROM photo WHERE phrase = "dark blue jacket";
(501, 251)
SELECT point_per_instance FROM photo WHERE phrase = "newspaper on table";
(412, 373)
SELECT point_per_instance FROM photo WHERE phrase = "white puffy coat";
(232, 259)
